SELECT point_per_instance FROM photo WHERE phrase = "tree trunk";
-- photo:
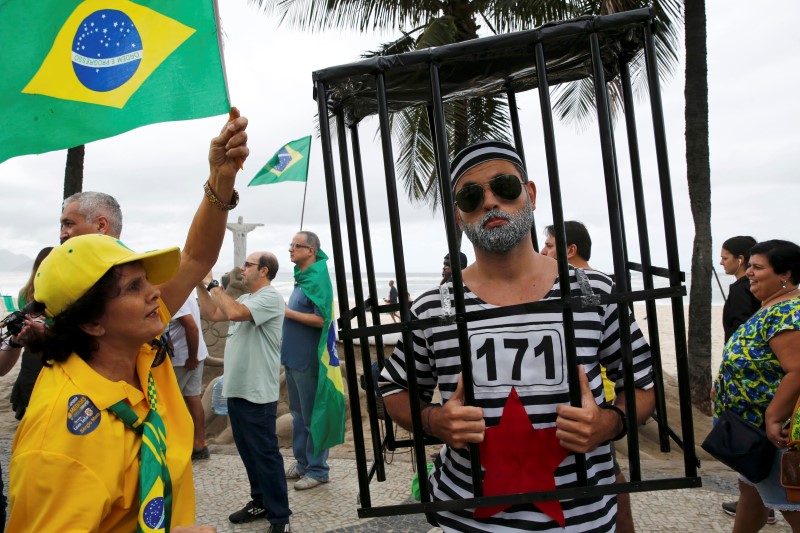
(699, 179)
(73, 173)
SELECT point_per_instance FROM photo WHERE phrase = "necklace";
(781, 295)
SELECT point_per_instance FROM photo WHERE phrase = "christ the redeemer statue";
(240, 231)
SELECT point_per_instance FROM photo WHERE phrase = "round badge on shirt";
(83, 416)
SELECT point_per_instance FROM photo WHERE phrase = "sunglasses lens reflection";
(505, 187)
(469, 198)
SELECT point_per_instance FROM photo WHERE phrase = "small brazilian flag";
(75, 72)
(290, 163)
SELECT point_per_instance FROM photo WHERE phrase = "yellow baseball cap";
(74, 267)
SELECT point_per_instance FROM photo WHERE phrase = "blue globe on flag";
(106, 50)
(153, 513)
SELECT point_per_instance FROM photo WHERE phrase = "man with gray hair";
(300, 357)
(89, 212)
(519, 367)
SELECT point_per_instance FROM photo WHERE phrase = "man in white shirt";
(190, 352)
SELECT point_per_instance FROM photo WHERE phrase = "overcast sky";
(157, 172)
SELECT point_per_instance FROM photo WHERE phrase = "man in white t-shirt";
(190, 352)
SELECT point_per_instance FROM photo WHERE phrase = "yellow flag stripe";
(160, 36)
(296, 157)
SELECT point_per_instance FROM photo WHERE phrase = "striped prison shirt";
(526, 352)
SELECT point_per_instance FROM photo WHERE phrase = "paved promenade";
(222, 488)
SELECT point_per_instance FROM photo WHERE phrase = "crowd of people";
(114, 346)
(116, 411)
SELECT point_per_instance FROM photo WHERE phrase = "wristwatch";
(214, 283)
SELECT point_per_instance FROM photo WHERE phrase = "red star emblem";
(519, 458)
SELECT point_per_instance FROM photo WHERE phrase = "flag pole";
(221, 45)
(305, 190)
(714, 270)
(305, 187)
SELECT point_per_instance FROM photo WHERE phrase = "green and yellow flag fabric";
(75, 72)
(155, 484)
(328, 416)
(290, 163)
(8, 304)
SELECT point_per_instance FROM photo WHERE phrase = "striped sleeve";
(394, 378)
(610, 350)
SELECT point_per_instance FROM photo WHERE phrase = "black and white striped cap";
(481, 152)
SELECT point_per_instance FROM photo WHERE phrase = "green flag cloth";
(75, 72)
(290, 163)
(8, 303)
(328, 416)
(155, 485)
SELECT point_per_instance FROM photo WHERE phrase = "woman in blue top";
(759, 377)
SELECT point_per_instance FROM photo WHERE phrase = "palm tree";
(698, 173)
(427, 23)
(73, 172)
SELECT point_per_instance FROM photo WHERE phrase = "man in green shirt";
(251, 385)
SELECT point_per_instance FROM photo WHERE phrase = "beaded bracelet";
(216, 202)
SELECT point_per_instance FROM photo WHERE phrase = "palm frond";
(467, 121)
(574, 102)
(320, 15)
(415, 162)
(439, 31)
(489, 119)
(406, 43)
(515, 15)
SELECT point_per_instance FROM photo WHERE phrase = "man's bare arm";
(309, 319)
(208, 309)
(192, 340)
(229, 307)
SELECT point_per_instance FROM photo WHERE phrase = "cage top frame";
(485, 66)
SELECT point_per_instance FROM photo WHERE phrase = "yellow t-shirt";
(75, 465)
(608, 385)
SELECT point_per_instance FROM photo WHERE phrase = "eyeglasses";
(249, 264)
(293, 245)
(504, 186)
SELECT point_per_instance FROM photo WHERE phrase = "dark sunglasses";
(294, 245)
(248, 264)
(504, 186)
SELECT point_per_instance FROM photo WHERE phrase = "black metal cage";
(596, 48)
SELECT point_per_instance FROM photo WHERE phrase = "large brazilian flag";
(328, 415)
(75, 72)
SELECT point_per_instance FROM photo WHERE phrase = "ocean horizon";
(417, 282)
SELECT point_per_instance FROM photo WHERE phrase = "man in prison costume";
(519, 365)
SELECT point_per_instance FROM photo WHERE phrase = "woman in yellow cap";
(106, 442)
